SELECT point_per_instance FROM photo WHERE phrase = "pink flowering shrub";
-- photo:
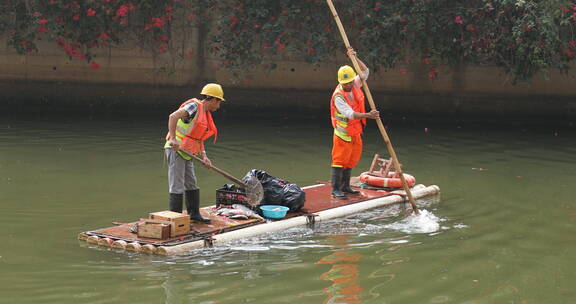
(523, 37)
(78, 27)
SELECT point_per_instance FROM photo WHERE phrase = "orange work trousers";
(346, 154)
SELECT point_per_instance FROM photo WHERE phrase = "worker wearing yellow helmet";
(348, 116)
(188, 128)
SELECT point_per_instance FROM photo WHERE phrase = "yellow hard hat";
(213, 90)
(346, 74)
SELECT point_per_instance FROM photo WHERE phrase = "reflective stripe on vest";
(343, 127)
(191, 135)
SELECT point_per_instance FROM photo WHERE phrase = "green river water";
(507, 215)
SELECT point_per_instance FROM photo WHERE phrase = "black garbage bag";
(279, 192)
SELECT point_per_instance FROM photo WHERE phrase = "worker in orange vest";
(348, 116)
(188, 127)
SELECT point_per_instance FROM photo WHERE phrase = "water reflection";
(343, 273)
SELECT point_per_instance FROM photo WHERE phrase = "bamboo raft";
(319, 206)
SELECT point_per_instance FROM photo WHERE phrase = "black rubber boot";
(346, 173)
(193, 206)
(175, 203)
(337, 183)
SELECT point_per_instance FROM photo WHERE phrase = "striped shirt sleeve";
(191, 108)
(343, 107)
(358, 79)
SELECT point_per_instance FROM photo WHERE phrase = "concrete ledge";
(91, 97)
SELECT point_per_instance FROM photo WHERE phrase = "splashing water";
(425, 222)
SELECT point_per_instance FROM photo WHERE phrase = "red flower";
(90, 12)
(76, 17)
(42, 21)
(470, 28)
(94, 65)
(458, 19)
(41, 29)
(158, 22)
(188, 54)
(104, 36)
(123, 11)
(69, 49)
(569, 53)
(37, 14)
(233, 21)
(163, 48)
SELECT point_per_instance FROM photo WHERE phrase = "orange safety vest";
(343, 127)
(191, 135)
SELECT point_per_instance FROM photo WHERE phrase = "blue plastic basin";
(274, 211)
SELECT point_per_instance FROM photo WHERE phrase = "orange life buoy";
(392, 181)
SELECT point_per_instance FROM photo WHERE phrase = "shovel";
(253, 187)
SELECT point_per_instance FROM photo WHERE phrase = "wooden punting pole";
(395, 161)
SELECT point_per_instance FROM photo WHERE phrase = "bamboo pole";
(134, 246)
(395, 161)
(150, 249)
(105, 242)
(119, 244)
(223, 173)
(92, 240)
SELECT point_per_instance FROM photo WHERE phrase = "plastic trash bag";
(279, 192)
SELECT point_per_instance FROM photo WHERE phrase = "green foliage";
(250, 31)
(523, 37)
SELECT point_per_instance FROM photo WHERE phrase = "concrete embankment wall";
(128, 75)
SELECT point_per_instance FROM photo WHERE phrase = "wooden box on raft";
(154, 229)
(180, 223)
